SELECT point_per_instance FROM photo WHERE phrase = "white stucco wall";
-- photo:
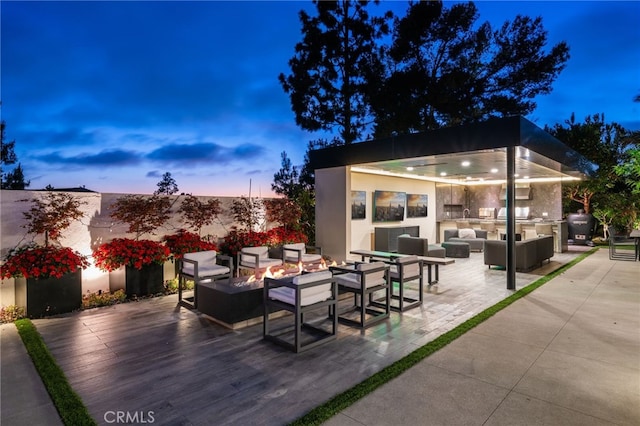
(333, 211)
(362, 230)
(92, 230)
(337, 233)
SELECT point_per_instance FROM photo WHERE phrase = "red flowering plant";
(143, 215)
(186, 242)
(33, 261)
(126, 252)
(237, 239)
(49, 215)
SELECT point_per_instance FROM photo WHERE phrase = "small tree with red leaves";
(143, 214)
(197, 214)
(52, 214)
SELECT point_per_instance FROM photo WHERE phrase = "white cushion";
(202, 256)
(352, 280)
(262, 262)
(315, 276)
(466, 233)
(410, 271)
(207, 266)
(308, 295)
(291, 255)
(262, 251)
(288, 295)
(291, 250)
(306, 258)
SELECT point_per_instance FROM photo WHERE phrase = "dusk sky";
(111, 95)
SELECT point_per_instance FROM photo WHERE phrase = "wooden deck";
(155, 358)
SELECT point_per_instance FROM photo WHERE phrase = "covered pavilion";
(499, 152)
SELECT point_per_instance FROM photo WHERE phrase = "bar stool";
(490, 227)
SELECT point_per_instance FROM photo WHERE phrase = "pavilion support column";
(511, 218)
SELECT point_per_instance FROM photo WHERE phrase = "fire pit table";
(238, 301)
(234, 303)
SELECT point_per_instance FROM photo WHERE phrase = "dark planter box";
(146, 281)
(50, 296)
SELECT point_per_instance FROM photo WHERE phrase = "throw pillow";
(466, 233)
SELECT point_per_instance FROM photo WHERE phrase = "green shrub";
(171, 286)
(11, 313)
(95, 300)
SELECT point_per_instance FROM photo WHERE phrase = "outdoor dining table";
(426, 260)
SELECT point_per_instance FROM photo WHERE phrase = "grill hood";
(522, 192)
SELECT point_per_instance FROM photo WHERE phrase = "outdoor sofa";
(419, 247)
(529, 253)
(474, 237)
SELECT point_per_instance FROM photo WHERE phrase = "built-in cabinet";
(386, 239)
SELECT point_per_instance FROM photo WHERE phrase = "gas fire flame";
(278, 272)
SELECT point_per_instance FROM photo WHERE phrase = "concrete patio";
(569, 353)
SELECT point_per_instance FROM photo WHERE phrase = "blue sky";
(111, 95)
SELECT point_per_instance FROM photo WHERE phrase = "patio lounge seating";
(474, 237)
(300, 295)
(256, 259)
(296, 253)
(202, 266)
(363, 281)
(419, 247)
(403, 271)
(529, 253)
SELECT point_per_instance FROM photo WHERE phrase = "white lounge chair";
(202, 266)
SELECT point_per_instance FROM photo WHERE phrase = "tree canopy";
(438, 67)
(329, 71)
(13, 179)
(443, 69)
(610, 193)
(167, 185)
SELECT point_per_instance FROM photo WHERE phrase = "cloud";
(203, 153)
(110, 158)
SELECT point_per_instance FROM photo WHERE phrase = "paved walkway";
(23, 398)
(569, 353)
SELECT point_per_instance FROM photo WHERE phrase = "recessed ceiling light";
(468, 177)
(516, 175)
(494, 170)
(526, 177)
(466, 163)
(410, 168)
(443, 173)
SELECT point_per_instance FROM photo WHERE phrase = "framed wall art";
(417, 205)
(358, 204)
(388, 206)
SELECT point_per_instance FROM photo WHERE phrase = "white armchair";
(256, 259)
(364, 280)
(300, 295)
(296, 253)
(402, 271)
(201, 267)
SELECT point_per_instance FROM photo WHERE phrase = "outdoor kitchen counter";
(559, 227)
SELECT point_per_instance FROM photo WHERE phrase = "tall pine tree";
(330, 68)
(442, 70)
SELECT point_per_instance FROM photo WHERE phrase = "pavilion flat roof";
(481, 143)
